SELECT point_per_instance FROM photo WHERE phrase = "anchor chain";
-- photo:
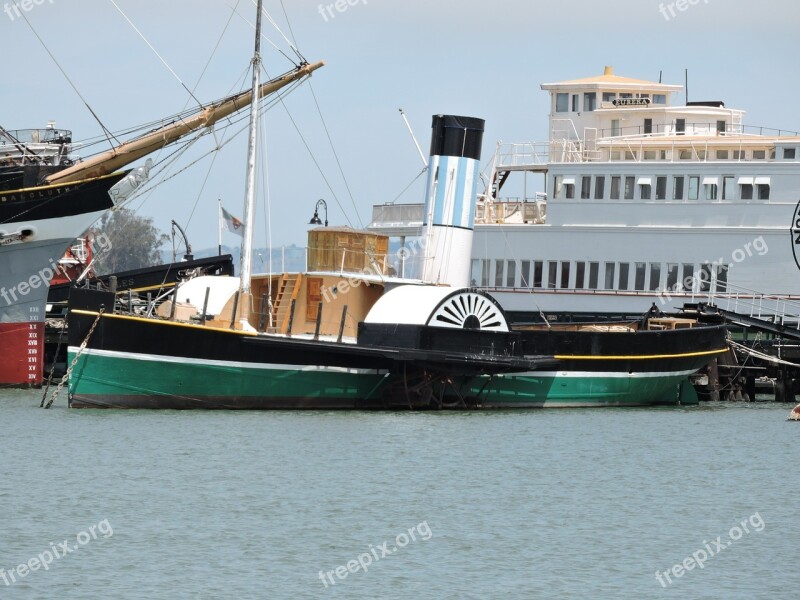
(82, 347)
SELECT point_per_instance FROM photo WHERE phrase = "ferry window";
(576, 103)
(569, 187)
(614, 127)
(586, 187)
(609, 96)
(649, 155)
(646, 191)
(722, 155)
(721, 127)
(552, 272)
(485, 272)
(648, 126)
(624, 268)
(641, 271)
(694, 187)
(625, 95)
(711, 185)
(615, 155)
(580, 274)
(610, 270)
(747, 191)
(759, 154)
(630, 155)
(680, 126)
(772, 153)
(688, 277)
(538, 268)
(728, 188)
(564, 275)
(661, 188)
(558, 184)
(599, 187)
(475, 272)
(655, 276)
(629, 187)
(677, 187)
(763, 191)
(738, 155)
(498, 273)
(701, 155)
(615, 181)
(511, 274)
(646, 96)
(788, 153)
(659, 98)
(672, 277)
(562, 102)
(686, 155)
(662, 155)
(589, 101)
(705, 277)
(525, 274)
(594, 269)
(722, 278)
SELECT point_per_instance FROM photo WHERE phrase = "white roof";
(222, 288)
(408, 304)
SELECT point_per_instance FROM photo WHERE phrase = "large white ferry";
(641, 199)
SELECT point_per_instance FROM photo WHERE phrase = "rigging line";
(413, 181)
(278, 29)
(314, 158)
(216, 47)
(64, 73)
(335, 155)
(291, 32)
(264, 37)
(164, 62)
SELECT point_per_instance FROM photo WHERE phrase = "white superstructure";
(640, 199)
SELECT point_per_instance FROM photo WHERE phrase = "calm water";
(542, 504)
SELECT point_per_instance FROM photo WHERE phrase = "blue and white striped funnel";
(450, 198)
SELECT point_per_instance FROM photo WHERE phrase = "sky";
(428, 57)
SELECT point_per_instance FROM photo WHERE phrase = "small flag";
(232, 224)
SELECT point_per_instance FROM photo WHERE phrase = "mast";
(246, 266)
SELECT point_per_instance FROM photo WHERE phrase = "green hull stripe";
(109, 374)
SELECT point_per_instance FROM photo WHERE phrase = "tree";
(131, 242)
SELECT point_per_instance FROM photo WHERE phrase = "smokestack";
(450, 198)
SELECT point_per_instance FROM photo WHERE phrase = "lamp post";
(315, 220)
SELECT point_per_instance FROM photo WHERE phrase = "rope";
(761, 355)
(55, 357)
(82, 347)
(149, 45)
(64, 73)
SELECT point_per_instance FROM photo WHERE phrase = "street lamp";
(315, 220)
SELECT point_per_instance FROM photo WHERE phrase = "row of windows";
(565, 101)
(591, 275)
(678, 187)
(695, 154)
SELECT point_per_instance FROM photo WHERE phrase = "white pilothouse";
(642, 200)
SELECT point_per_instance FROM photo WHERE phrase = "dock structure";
(765, 347)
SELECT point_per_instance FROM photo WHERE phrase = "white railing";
(781, 309)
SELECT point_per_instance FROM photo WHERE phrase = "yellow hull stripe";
(645, 357)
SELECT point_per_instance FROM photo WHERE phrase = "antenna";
(686, 88)
(660, 75)
(413, 137)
